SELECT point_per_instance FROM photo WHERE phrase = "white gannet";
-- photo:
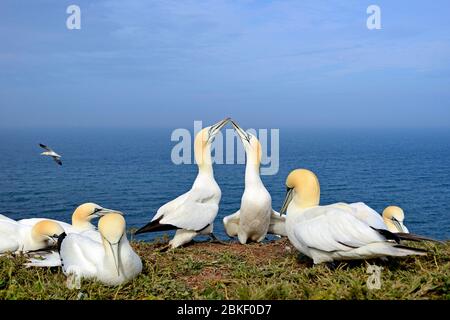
(194, 212)
(51, 153)
(253, 220)
(112, 261)
(393, 217)
(16, 237)
(328, 233)
(81, 224)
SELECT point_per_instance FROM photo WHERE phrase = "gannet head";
(251, 144)
(303, 187)
(112, 227)
(82, 216)
(203, 141)
(393, 217)
(46, 231)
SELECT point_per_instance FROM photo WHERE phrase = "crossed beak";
(104, 211)
(287, 200)
(216, 128)
(241, 132)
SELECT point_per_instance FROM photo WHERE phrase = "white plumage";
(334, 232)
(194, 212)
(111, 261)
(255, 218)
(18, 237)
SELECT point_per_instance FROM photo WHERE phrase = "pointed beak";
(104, 211)
(217, 127)
(241, 132)
(287, 200)
(115, 251)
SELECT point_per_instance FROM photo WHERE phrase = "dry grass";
(256, 271)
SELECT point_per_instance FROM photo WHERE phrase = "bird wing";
(45, 147)
(171, 206)
(231, 223)
(368, 215)
(196, 212)
(277, 224)
(332, 229)
(81, 255)
(57, 160)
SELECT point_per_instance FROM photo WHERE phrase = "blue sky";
(265, 63)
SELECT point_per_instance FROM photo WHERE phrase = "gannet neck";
(252, 176)
(202, 152)
(82, 225)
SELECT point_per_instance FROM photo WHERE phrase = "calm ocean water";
(131, 170)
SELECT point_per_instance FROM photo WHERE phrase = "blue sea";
(131, 170)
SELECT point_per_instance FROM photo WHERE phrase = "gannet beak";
(241, 132)
(287, 200)
(115, 251)
(398, 225)
(103, 211)
(216, 128)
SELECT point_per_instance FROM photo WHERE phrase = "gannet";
(81, 224)
(393, 217)
(51, 153)
(16, 237)
(112, 261)
(328, 233)
(194, 212)
(253, 220)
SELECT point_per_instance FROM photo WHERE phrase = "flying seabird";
(51, 153)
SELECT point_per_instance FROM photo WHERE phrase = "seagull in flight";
(51, 153)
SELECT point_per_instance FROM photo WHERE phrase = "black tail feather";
(415, 237)
(410, 248)
(388, 235)
(155, 226)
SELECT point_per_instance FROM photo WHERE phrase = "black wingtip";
(42, 145)
(388, 235)
(415, 237)
(155, 226)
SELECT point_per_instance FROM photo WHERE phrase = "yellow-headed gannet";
(393, 217)
(51, 153)
(328, 233)
(81, 224)
(16, 237)
(256, 217)
(194, 212)
(112, 261)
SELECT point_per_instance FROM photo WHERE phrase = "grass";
(256, 271)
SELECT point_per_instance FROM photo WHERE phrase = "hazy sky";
(274, 64)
